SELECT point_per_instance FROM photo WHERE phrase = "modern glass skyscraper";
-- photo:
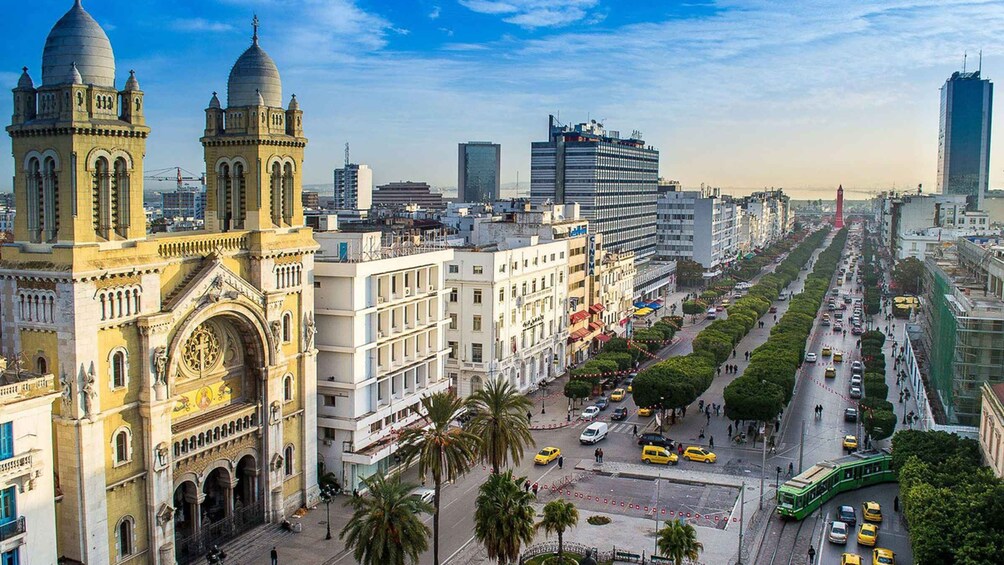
(964, 139)
(479, 165)
(615, 182)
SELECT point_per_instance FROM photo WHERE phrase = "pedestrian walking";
(812, 554)
(528, 416)
(711, 442)
(709, 418)
(561, 461)
(733, 353)
(791, 468)
(635, 429)
(526, 486)
(700, 404)
(730, 430)
(534, 489)
(596, 454)
(679, 449)
(601, 455)
(895, 504)
(275, 556)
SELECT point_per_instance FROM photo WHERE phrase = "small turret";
(24, 99)
(131, 101)
(214, 117)
(294, 118)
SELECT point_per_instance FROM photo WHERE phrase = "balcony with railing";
(214, 429)
(16, 466)
(12, 529)
(21, 385)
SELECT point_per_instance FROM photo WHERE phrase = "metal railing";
(12, 528)
(194, 547)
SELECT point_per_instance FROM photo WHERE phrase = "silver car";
(837, 532)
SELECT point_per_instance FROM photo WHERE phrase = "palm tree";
(503, 517)
(678, 541)
(386, 528)
(443, 450)
(499, 420)
(558, 517)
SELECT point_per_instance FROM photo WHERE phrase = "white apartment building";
(7, 216)
(507, 313)
(353, 187)
(915, 225)
(381, 345)
(616, 290)
(766, 217)
(701, 226)
(27, 489)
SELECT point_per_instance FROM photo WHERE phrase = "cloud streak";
(534, 13)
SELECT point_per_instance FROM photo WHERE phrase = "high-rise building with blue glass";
(964, 137)
(479, 165)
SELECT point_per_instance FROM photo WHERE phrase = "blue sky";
(734, 93)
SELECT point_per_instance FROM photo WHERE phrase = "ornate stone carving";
(276, 326)
(215, 290)
(90, 392)
(202, 349)
(65, 390)
(309, 331)
(164, 514)
(160, 364)
(162, 451)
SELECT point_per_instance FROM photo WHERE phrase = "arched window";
(287, 388)
(223, 201)
(41, 367)
(124, 536)
(50, 199)
(288, 460)
(287, 327)
(120, 198)
(239, 187)
(287, 195)
(101, 198)
(122, 443)
(275, 194)
(118, 368)
(34, 200)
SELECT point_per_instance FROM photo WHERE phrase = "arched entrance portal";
(217, 369)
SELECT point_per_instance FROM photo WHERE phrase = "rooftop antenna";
(346, 156)
(979, 71)
(964, 55)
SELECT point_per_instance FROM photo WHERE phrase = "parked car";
(694, 453)
(655, 439)
(658, 455)
(855, 392)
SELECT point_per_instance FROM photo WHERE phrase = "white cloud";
(534, 13)
(200, 24)
(434, 13)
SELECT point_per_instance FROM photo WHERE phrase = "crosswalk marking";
(619, 427)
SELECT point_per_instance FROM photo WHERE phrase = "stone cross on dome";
(254, 24)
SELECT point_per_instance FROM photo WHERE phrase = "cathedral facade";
(186, 361)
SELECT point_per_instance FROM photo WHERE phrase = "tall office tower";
(838, 219)
(354, 187)
(964, 138)
(615, 182)
(479, 166)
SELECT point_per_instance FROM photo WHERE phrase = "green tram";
(802, 495)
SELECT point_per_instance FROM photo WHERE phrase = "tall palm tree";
(386, 528)
(503, 517)
(678, 541)
(558, 517)
(443, 450)
(500, 421)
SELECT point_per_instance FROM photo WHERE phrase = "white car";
(590, 413)
(838, 532)
(424, 494)
(810, 357)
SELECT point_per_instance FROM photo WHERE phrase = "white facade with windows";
(27, 504)
(507, 314)
(701, 227)
(381, 346)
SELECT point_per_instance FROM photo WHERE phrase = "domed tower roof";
(77, 38)
(25, 80)
(254, 73)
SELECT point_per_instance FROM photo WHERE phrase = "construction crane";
(176, 174)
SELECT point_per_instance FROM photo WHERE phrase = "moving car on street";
(810, 357)
(837, 532)
(850, 559)
(617, 395)
(695, 453)
(868, 535)
(851, 415)
(590, 412)
(871, 511)
(827, 351)
(620, 413)
(655, 439)
(546, 455)
(882, 556)
(644, 411)
(602, 403)
(847, 515)
(850, 443)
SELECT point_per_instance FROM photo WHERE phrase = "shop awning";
(642, 312)
(578, 334)
(596, 308)
(655, 305)
(578, 317)
(640, 304)
(603, 338)
(593, 326)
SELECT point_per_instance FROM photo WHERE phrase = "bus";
(802, 495)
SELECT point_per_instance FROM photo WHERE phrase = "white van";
(593, 433)
(712, 313)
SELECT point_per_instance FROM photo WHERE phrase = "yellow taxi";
(850, 442)
(831, 372)
(658, 455)
(644, 411)
(546, 455)
(695, 453)
(630, 388)
(868, 535)
(883, 557)
(838, 357)
(872, 511)
(827, 351)
(725, 302)
(617, 395)
(850, 559)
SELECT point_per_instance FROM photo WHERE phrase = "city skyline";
(707, 84)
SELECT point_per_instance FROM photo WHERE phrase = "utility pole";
(742, 504)
(655, 514)
(801, 448)
(763, 463)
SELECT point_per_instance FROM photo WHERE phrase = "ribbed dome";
(77, 38)
(25, 80)
(254, 72)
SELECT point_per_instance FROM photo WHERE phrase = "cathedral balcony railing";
(201, 243)
(214, 429)
(16, 386)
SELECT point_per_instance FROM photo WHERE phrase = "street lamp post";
(327, 495)
(777, 479)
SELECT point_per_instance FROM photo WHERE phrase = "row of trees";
(952, 503)
(768, 382)
(876, 411)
